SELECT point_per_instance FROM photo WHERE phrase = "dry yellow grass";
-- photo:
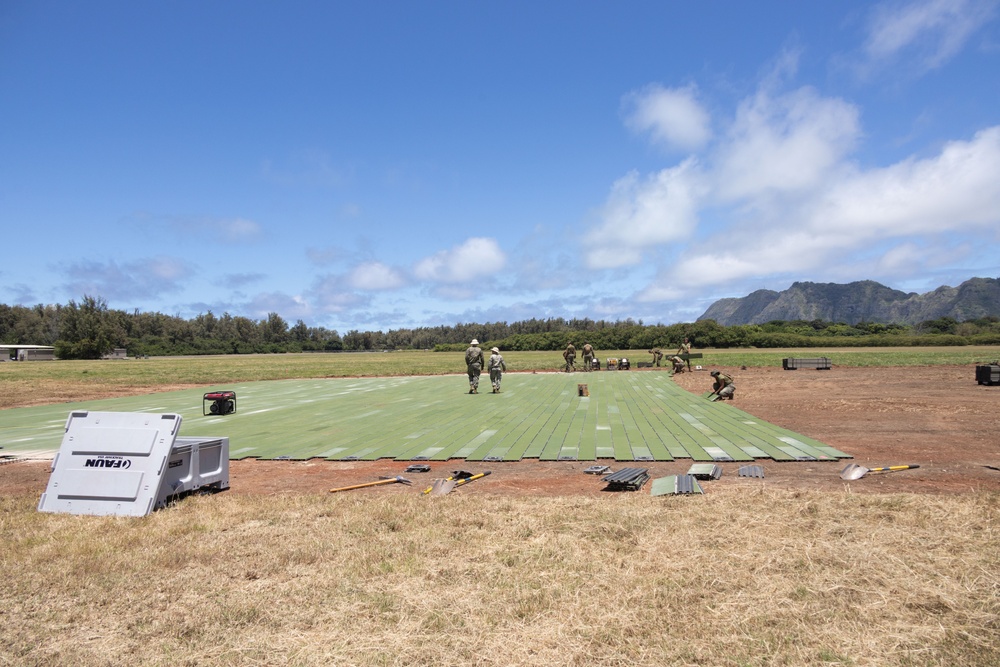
(736, 577)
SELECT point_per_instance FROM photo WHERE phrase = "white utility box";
(130, 463)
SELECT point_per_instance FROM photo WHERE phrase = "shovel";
(853, 471)
(390, 480)
(442, 487)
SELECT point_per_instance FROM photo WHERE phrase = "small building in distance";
(27, 353)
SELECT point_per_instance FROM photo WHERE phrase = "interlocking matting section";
(628, 416)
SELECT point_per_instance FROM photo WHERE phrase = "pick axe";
(388, 480)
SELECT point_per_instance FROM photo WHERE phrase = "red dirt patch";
(936, 417)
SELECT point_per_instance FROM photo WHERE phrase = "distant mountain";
(863, 301)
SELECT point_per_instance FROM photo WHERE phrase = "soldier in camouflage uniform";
(570, 356)
(497, 368)
(723, 385)
(474, 365)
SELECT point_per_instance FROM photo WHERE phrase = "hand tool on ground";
(442, 487)
(441, 483)
(853, 471)
(390, 480)
(466, 480)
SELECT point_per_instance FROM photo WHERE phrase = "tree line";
(90, 329)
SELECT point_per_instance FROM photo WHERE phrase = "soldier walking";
(474, 365)
(570, 356)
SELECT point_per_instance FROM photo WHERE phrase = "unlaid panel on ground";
(628, 416)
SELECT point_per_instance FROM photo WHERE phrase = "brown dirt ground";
(936, 417)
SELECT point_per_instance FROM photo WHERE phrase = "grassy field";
(71, 380)
(736, 578)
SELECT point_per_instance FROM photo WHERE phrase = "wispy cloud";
(227, 230)
(931, 32)
(307, 168)
(127, 281)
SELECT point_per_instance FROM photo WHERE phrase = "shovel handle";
(891, 468)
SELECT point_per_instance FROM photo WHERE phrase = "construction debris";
(626, 479)
(751, 471)
(705, 471)
(675, 485)
(418, 467)
(597, 470)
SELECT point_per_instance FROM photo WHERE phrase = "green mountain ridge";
(861, 301)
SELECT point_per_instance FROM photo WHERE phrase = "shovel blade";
(442, 487)
(853, 471)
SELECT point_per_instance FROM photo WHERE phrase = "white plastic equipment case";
(130, 463)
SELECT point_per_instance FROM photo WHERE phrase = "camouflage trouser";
(570, 363)
(496, 375)
(727, 391)
(588, 361)
(474, 370)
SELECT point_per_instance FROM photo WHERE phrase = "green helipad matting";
(628, 416)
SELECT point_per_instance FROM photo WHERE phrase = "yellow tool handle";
(891, 468)
(361, 486)
(469, 479)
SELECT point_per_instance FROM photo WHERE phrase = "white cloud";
(935, 30)
(475, 258)
(957, 189)
(785, 144)
(641, 213)
(672, 116)
(375, 276)
(953, 193)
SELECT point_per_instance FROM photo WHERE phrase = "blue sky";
(384, 165)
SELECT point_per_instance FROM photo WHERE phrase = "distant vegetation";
(89, 329)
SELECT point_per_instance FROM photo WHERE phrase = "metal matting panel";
(628, 416)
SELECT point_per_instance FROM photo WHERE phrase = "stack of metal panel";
(626, 479)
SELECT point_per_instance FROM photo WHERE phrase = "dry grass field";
(528, 567)
(767, 577)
